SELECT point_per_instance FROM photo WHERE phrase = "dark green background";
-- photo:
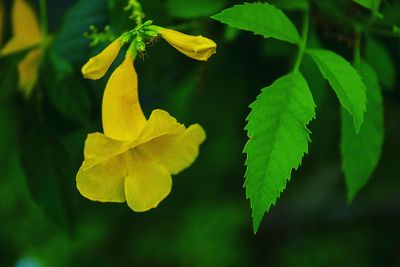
(206, 219)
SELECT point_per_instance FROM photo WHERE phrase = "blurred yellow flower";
(134, 159)
(26, 34)
(97, 66)
(196, 47)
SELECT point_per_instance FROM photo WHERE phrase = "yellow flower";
(196, 47)
(134, 159)
(26, 34)
(97, 66)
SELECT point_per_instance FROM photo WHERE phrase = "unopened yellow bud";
(97, 66)
(196, 47)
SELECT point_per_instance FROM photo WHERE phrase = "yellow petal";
(28, 70)
(123, 118)
(104, 181)
(196, 47)
(26, 30)
(160, 123)
(99, 148)
(176, 151)
(14, 45)
(97, 66)
(147, 183)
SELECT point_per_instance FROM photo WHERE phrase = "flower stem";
(43, 17)
(303, 44)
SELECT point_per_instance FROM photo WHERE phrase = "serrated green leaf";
(361, 152)
(278, 139)
(260, 18)
(380, 59)
(344, 80)
(195, 8)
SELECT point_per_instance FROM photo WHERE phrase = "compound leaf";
(278, 139)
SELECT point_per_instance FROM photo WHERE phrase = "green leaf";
(382, 62)
(61, 65)
(195, 8)
(71, 98)
(344, 80)
(278, 139)
(9, 80)
(70, 43)
(47, 167)
(361, 152)
(369, 4)
(260, 18)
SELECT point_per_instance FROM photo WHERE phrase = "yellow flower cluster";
(26, 35)
(134, 159)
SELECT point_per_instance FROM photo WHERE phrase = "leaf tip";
(350, 196)
(256, 225)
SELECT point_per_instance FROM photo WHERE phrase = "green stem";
(383, 32)
(137, 11)
(304, 40)
(132, 50)
(43, 17)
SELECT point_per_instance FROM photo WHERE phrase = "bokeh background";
(206, 220)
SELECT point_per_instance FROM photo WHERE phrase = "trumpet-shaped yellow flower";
(134, 159)
(97, 66)
(26, 34)
(196, 47)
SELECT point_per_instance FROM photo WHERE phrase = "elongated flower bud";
(196, 47)
(97, 66)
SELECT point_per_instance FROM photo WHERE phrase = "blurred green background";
(205, 222)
